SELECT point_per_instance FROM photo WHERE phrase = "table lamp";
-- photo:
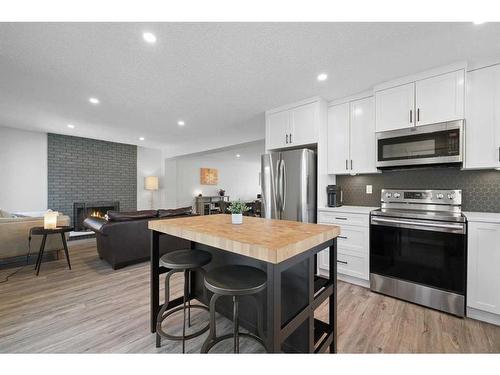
(151, 184)
(50, 219)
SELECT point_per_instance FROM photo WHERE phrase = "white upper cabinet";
(338, 139)
(482, 141)
(440, 98)
(425, 98)
(395, 107)
(304, 120)
(362, 145)
(293, 125)
(277, 129)
(351, 137)
(483, 278)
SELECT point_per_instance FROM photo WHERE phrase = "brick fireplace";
(88, 171)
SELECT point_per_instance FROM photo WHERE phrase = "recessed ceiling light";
(238, 155)
(478, 22)
(149, 37)
(94, 100)
(180, 123)
(141, 138)
(71, 126)
(322, 77)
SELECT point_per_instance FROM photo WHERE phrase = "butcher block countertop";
(269, 240)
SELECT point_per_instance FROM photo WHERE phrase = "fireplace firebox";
(83, 210)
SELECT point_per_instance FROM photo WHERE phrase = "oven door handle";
(435, 226)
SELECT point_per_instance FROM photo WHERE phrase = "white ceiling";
(217, 77)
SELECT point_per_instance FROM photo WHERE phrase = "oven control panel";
(453, 197)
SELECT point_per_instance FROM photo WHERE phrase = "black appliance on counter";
(418, 248)
(334, 195)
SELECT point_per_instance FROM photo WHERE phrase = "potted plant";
(237, 208)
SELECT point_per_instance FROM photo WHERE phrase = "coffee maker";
(334, 195)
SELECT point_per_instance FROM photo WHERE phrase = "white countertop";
(349, 209)
(483, 217)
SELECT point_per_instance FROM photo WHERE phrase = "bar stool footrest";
(207, 346)
(159, 329)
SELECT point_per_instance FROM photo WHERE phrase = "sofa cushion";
(132, 215)
(175, 211)
(5, 214)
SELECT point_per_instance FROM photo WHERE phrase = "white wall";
(23, 170)
(150, 163)
(170, 183)
(238, 176)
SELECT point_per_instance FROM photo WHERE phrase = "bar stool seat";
(186, 261)
(235, 281)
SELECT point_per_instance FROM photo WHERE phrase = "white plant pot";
(237, 218)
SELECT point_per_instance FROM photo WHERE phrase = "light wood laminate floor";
(98, 310)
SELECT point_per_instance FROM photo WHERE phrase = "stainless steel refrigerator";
(288, 181)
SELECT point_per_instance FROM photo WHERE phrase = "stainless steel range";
(418, 248)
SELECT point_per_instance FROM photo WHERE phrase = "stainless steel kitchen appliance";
(418, 248)
(440, 143)
(288, 181)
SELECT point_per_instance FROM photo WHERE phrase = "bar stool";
(234, 281)
(185, 261)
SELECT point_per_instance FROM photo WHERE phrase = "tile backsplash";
(480, 189)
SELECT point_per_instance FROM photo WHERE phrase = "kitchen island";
(286, 251)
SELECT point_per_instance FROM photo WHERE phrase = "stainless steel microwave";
(420, 145)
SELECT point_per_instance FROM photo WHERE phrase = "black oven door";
(425, 252)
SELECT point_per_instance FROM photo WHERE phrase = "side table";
(41, 231)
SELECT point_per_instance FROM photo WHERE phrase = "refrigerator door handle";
(279, 182)
(308, 180)
(284, 186)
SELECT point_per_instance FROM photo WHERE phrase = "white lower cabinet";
(352, 246)
(483, 275)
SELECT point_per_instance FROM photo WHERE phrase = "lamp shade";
(151, 183)
(50, 219)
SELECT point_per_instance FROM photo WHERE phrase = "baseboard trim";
(483, 316)
(354, 280)
(17, 261)
(347, 279)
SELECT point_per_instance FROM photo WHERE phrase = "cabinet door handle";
(290, 137)
(351, 163)
(411, 116)
(343, 237)
(418, 114)
(498, 153)
(286, 139)
(340, 218)
(346, 164)
(341, 261)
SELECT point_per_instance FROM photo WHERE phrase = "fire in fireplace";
(98, 213)
(83, 210)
